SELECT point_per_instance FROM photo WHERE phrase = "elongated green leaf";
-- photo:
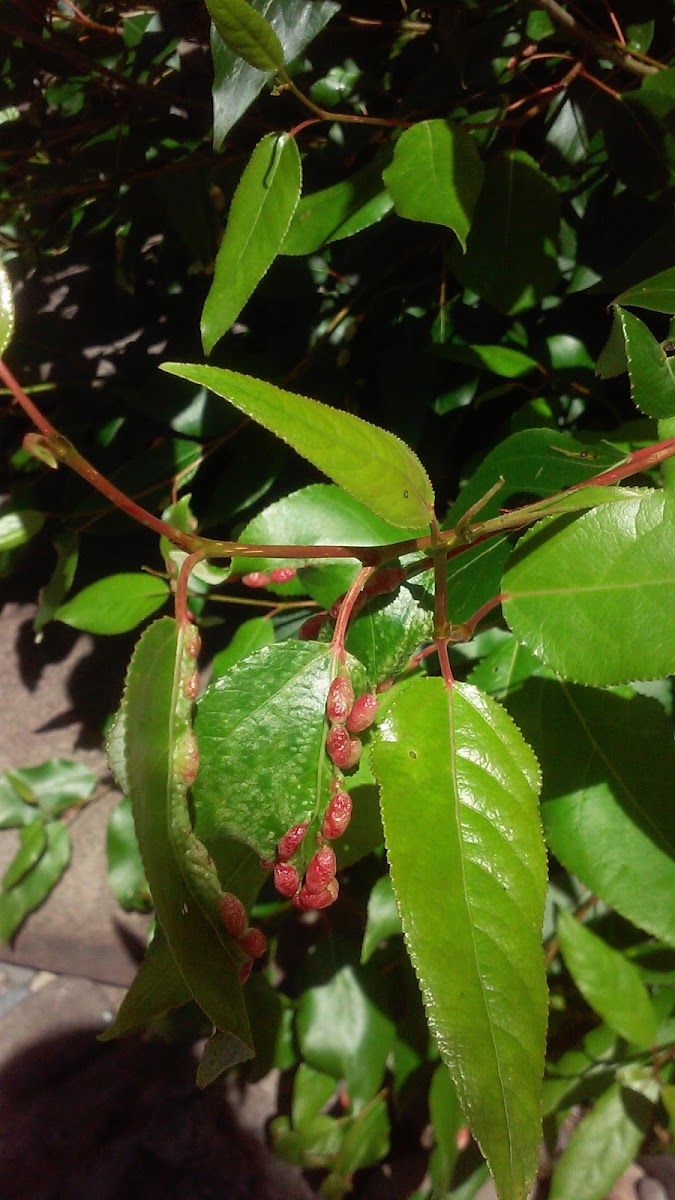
(502, 360)
(339, 211)
(32, 842)
(608, 982)
(371, 464)
(157, 987)
(604, 1144)
(250, 636)
(6, 309)
(458, 791)
(656, 293)
(511, 251)
(593, 598)
(246, 32)
(60, 582)
(261, 211)
(261, 730)
(652, 379)
(18, 526)
(115, 604)
(30, 892)
(436, 176)
(235, 82)
(153, 728)
(608, 762)
(366, 1141)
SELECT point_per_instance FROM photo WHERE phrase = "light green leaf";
(339, 211)
(235, 83)
(6, 309)
(32, 842)
(27, 895)
(153, 727)
(114, 604)
(371, 464)
(311, 1091)
(246, 32)
(15, 810)
(652, 379)
(436, 176)
(604, 1143)
(458, 790)
(593, 597)
(18, 526)
(511, 258)
(250, 636)
(383, 920)
(621, 799)
(656, 293)
(389, 629)
(608, 982)
(55, 785)
(260, 213)
(502, 360)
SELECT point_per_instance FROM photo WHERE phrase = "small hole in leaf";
(406, 494)
(413, 753)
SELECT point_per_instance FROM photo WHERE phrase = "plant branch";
(620, 55)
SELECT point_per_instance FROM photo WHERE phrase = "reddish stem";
(346, 609)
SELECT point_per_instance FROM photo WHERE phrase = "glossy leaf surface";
(459, 802)
(114, 604)
(436, 176)
(339, 211)
(55, 785)
(370, 463)
(608, 982)
(248, 637)
(18, 526)
(593, 597)
(6, 309)
(656, 293)
(32, 842)
(260, 213)
(389, 629)
(246, 31)
(652, 379)
(608, 764)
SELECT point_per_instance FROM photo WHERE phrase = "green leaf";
(156, 988)
(583, 1073)
(18, 526)
(6, 309)
(436, 176)
(511, 252)
(652, 381)
(342, 1029)
(260, 213)
(656, 293)
(502, 360)
(32, 842)
(66, 545)
(55, 785)
(608, 762)
(383, 920)
(608, 982)
(373, 465)
(114, 604)
(274, 698)
(246, 32)
(27, 895)
(389, 629)
(250, 636)
(153, 727)
(612, 358)
(339, 211)
(604, 1143)
(126, 877)
(311, 1091)
(366, 1141)
(593, 597)
(447, 1120)
(15, 810)
(235, 83)
(458, 790)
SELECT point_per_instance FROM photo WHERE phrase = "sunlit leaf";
(6, 309)
(436, 176)
(652, 378)
(114, 604)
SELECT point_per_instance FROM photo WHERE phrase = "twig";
(620, 55)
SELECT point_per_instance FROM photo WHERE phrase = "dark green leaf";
(639, 134)
(261, 211)
(605, 1143)
(612, 359)
(608, 982)
(115, 604)
(157, 987)
(511, 252)
(383, 920)
(32, 842)
(371, 464)
(458, 791)
(250, 636)
(6, 309)
(447, 1120)
(656, 293)
(236, 84)
(33, 889)
(246, 32)
(608, 763)
(55, 785)
(593, 597)
(436, 176)
(339, 211)
(583, 1073)
(261, 731)
(126, 877)
(652, 381)
(18, 526)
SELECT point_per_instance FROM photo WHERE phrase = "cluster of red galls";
(260, 579)
(252, 941)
